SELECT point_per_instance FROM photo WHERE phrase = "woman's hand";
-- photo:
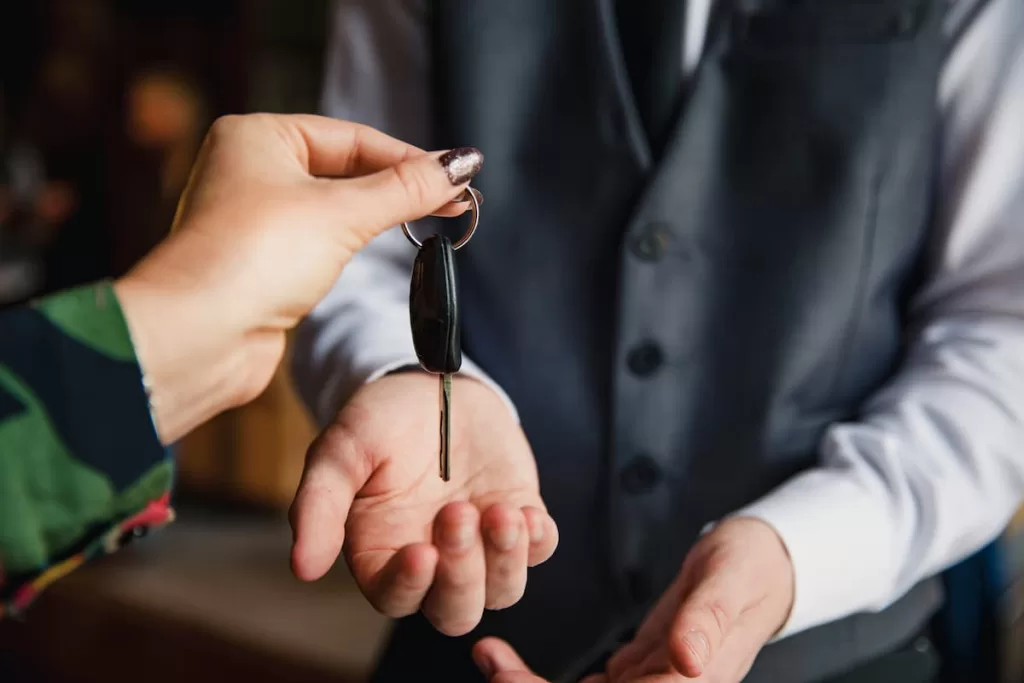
(274, 209)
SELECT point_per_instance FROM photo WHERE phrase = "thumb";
(706, 617)
(330, 480)
(499, 663)
(408, 191)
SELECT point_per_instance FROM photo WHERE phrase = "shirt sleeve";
(934, 468)
(377, 73)
(81, 467)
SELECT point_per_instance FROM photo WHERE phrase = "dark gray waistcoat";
(678, 329)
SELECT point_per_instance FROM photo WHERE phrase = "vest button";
(650, 245)
(640, 476)
(645, 359)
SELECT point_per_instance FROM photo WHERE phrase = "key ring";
(475, 208)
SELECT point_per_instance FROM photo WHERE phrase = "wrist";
(470, 371)
(777, 568)
(195, 360)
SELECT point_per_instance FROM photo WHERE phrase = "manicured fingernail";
(504, 538)
(697, 642)
(485, 665)
(461, 164)
(464, 197)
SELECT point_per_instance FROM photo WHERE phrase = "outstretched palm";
(412, 540)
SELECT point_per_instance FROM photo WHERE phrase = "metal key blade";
(445, 466)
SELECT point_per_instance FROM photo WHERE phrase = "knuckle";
(500, 602)
(541, 553)
(319, 445)
(720, 614)
(463, 582)
(460, 515)
(328, 442)
(502, 572)
(384, 599)
(377, 603)
(505, 587)
(414, 183)
(461, 627)
(340, 448)
(375, 598)
(224, 126)
(506, 597)
(454, 626)
(397, 610)
(496, 515)
(718, 560)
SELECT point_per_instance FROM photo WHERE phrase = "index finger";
(333, 148)
(336, 148)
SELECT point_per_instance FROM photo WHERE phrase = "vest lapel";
(634, 126)
(652, 36)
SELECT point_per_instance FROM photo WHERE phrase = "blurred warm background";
(103, 105)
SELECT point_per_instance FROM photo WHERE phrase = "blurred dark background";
(103, 105)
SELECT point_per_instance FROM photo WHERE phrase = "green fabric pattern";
(53, 496)
(80, 461)
(106, 330)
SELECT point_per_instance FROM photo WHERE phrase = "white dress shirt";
(933, 470)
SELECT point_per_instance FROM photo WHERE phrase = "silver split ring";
(474, 221)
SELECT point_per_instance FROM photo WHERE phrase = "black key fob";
(433, 307)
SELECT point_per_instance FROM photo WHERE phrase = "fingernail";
(504, 538)
(485, 665)
(464, 197)
(461, 164)
(697, 642)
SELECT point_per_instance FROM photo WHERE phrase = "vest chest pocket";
(825, 23)
(823, 158)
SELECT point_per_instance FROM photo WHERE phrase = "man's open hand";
(413, 541)
(733, 594)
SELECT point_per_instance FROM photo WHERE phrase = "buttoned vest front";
(678, 327)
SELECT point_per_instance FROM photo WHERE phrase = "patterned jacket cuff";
(22, 591)
(91, 472)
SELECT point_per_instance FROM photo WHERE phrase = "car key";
(434, 315)
(434, 318)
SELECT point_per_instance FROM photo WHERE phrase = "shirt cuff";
(469, 369)
(836, 536)
(91, 472)
(347, 347)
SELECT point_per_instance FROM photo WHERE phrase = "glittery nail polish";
(461, 164)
